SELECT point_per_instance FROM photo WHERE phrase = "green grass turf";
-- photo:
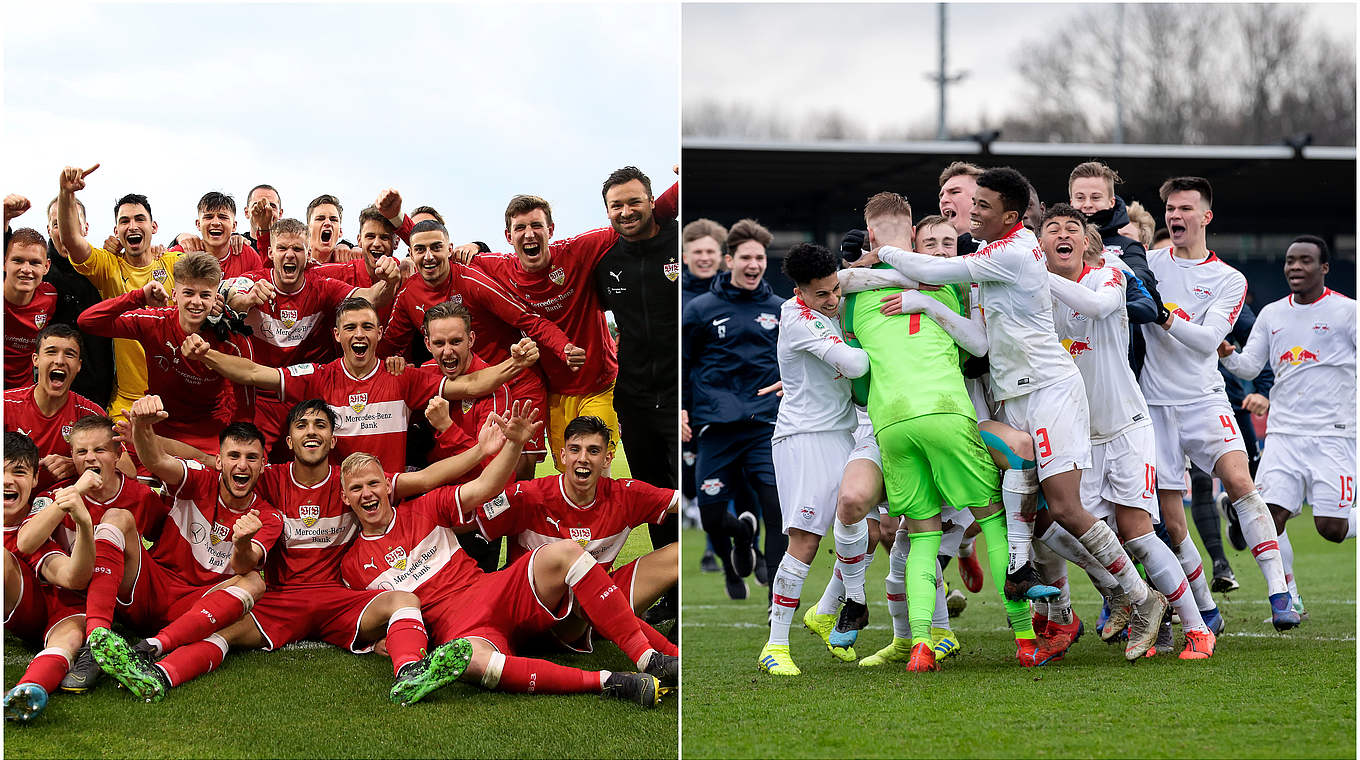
(321, 702)
(1262, 694)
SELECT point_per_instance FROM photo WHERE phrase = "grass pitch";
(314, 700)
(1263, 694)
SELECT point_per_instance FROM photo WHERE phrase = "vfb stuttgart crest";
(397, 558)
(557, 276)
(66, 433)
(581, 536)
(357, 402)
(672, 270)
(39, 320)
(309, 513)
(219, 534)
(467, 405)
(288, 317)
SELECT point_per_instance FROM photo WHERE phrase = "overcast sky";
(457, 106)
(795, 58)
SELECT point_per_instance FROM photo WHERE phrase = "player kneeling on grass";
(200, 573)
(40, 606)
(585, 506)
(412, 547)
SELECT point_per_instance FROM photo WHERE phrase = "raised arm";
(144, 414)
(386, 282)
(1096, 304)
(237, 369)
(519, 428)
(107, 318)
(73, 572)
(522, 356)
(490, 440)
(72, 179)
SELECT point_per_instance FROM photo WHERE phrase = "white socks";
(1018, 488)
(1259, 530)
(788, 587)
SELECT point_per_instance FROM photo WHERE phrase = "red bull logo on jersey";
(767, 320)
(672, 270)
(712, 486)
(1298, 355)
(357, 402)
(580, 536)
(219, 534)
(309, 513)
(1178, 311)
(1078, 346)
(557, 275)
(1201, 292)
(396, 558)
(1320, 328)
(288, 317)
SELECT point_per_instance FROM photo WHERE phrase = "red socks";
(215, 611)
(47, 670)
(524, 675)
(193, 660)
(656, 640)
(102, 593)
(606, 606)
(406, 637)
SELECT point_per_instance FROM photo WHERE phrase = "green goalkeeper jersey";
(913, 363)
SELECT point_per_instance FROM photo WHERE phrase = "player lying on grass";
(412, 547)
(41, 606)
(306, 598)
(585, 506)
(373, 405)
(1091, 319)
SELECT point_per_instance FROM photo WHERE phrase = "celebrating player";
(1121, 484)
(1308, 338)
(1202, 297)
(1035, 377)
(39, 604)
(29, 303)
(411, 547)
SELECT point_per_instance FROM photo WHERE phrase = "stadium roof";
(1269, 189)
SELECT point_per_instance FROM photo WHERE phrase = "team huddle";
(312, 439)
(1039, 375)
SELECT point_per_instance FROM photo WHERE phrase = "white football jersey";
(1311, 347)
(1100, 348)
(1012, 279)
(816, 392)
(1206, 293)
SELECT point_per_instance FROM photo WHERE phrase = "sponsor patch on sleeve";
(39, 504)
(298, 370)
(496, 506)
(819, 327)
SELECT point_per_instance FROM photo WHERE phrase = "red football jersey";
(35, 559)
(317, 527)
(294, 327)
(498, 318)
(418, 552)
(373, 410)
(200, 401)
(468, 414)
(565, 293)
(355, 272)
(194, 541)
(52, 435)
(22, 324)
(237, 264)
(538, 512)
(147, 507)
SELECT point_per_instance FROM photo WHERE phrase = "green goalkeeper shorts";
(936, 459)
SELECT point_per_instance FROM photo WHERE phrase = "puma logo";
(555, 523)
(370, 564)
(616, 276)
